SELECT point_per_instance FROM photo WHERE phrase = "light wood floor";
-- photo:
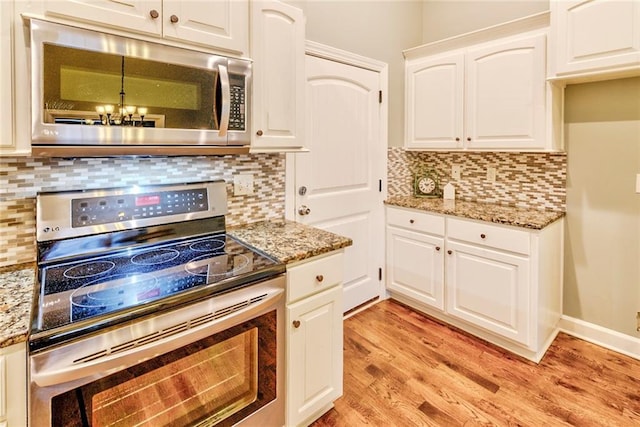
(404, 369)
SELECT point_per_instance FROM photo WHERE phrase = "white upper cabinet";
(216, 24)
(596, 36)
(278, 49)
(505, 94)
(435, 102)
(485, 90)
(7, 143)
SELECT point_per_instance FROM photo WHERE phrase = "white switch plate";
(491, 174)
(242, 184)
(455, 172)
(638, 183)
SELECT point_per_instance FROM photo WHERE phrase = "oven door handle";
(105, 363)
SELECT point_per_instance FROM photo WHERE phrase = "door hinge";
(379, 97)
(380, 273)
(380, 185)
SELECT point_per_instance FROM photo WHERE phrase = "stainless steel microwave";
(98, 94)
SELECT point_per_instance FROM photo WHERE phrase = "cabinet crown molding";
(518, 26)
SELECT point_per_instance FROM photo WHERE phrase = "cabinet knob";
(296, 324)
(468, 138)
(437, 248)
(483, 236)
(154, 14)
(411, 221)
(319, 277)
(173, 19)
(457, 139)
(259, 133)
(449, 251)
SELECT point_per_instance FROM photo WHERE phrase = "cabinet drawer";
(489, 235)
(415, 220)
(314, 276)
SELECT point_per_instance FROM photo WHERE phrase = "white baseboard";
(607, 338)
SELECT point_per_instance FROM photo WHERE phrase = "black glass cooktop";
(105, 285)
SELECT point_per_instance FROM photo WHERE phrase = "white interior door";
(345, 169)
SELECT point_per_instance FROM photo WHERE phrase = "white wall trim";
(338, 55)
(604, 337)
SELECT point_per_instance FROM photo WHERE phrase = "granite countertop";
(285, 240)
(289, 241)
(507, 215)
(16, 294)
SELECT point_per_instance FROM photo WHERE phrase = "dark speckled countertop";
(289, 241)
(285, 240)
(507, 215)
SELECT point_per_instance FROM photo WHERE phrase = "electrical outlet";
(242, 184)
(491, 174)
(456, 170)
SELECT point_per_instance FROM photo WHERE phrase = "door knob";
(304, 210)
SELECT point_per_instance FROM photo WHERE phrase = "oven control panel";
(103, 210)
(76, 213)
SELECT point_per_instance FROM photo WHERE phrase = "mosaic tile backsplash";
(526, 180)
(21, 178)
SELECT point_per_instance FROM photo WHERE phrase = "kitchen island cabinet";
(13, 385)
(218, 24)
(314, 337)
(501, 283)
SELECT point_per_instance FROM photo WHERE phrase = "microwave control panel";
(237, 112)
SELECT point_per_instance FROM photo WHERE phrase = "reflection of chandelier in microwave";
(125, 114)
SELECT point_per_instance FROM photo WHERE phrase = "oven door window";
(216, 381)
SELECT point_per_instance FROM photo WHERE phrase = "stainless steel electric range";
(141, 289)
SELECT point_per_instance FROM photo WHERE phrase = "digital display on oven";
(148, 200)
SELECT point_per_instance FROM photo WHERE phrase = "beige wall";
(602, 242)
(376, 29)
(447, 18)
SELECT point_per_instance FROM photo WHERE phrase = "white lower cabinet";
(500, 283)
(13, 386)
(314, 338)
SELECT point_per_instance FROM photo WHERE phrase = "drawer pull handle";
(449, 251)
(411, 221)
(296, 324)
(319, 277)
(437, 248)
(483, 236)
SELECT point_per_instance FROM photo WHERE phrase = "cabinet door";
(278, 51)
(434, 102)
(596, 34)
(415, 266)
(489, 289)
(222, 24)
(505, 99)
(314, 354)
(7, 143)
(13, 385)
(131, 15)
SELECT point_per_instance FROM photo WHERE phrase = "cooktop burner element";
(102, 262)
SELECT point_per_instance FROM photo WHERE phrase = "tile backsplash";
(21, 178)
(527, 180)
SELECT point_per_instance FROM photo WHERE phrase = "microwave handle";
(226, 100)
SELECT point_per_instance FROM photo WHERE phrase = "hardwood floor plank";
(405, 369)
